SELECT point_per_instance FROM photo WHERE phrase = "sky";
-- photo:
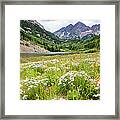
(54, 25)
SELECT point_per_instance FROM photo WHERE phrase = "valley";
(60, 65)
(31, 31)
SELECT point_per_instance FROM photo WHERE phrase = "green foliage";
(70, 77)
(37, 35)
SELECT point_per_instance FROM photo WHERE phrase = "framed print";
(60, 60)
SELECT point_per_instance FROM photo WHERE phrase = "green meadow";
(60, 77)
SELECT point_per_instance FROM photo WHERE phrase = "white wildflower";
(97, 87)
(59, 83)
(71, 83)
(62, 98)
(52, 69)
(96, 95)
(54, 61)
(25, 97)
(45, 84)
(31, 86)
(75, 64)
(52, 83)
(91, 80)
(38, 65)
(69, 91)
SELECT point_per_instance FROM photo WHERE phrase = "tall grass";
(69, 77)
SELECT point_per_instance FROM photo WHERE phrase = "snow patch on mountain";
(77, 31)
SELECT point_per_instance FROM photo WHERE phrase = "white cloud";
(53, 25)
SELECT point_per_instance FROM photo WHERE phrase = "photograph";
(60, 59)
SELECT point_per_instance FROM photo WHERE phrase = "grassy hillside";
(39, 36)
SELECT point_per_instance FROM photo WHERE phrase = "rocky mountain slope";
(72, 38)
(77, 31)
(26, 46)
(34, 32)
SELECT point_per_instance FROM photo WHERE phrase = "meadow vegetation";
(60, 77)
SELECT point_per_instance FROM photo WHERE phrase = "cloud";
(46, 20)
(54, 25)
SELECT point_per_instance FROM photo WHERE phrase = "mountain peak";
(79, 24)
(77, 31)
(36, 22)
(70, 25)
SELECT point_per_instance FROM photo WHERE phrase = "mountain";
(77, 31)
(96, 29)
(35, 22)
(27, 46)
(33, 28)
(78, 37)
(33, 32)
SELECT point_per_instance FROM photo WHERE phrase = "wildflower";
(54, 98)
(82, 72)
(62, 98)
(25, 97)
(75, 64)
(47, 89)
(45, 84)
(96, 95)
(69, 91)
(64, 84)
(52, 69)
(59, 83)
(37, 95)
(54, 61)
(78, 74)
(97, 87)
(45, 62)
(31, 86)
(71, 76)
(71, 83)
(98, 83)
(52, 83)
(91, 80)
(38, 65)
